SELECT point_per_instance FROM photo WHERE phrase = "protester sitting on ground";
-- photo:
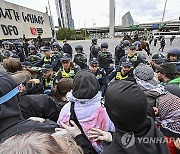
(12, 65)
(84, 106)
(129, 115)
(11, 120)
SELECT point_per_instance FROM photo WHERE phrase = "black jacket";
(67, 49)
(38, 106)
(11, 120)
(117, 146)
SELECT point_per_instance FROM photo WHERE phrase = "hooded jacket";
(38, 106)
(126, 105)
(87, 106)
(11, 121)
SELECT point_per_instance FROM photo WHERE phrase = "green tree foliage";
(69, 34)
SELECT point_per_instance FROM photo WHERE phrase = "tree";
(65, 33)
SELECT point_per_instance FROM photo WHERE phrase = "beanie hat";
(85, 85)
(126, 105)
(144, 72)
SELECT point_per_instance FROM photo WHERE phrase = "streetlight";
(164, 10)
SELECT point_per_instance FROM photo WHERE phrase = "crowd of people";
(55, 101)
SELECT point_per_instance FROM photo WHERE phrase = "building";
(63, 8)
(127, 19)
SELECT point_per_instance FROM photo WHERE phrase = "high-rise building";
(63, 8)
(127, 19)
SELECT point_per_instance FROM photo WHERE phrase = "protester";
(12, 65)
(31, 143)
(167, 74)
(84, 106)
(59, 92)
(131, 125)
(11, 120)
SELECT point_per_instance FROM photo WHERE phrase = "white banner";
(16, 20)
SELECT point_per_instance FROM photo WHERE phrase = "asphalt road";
(113, 42)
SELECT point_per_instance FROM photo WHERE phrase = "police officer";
(50, 78)
(123, 72)
(105, 58)
(80, 57)
(57, 54)
(138, 45)
(19, 50)
(120, 50)
(162, 43)
(100, 74)
(5, 52)
(47, 59)
(157, 59)
(155, 41)
(132, 56)
(94, 48)
(33, 55)
(67, 48)
(68, 69)
(173, 56)
(56, 47)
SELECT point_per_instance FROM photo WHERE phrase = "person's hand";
(177, 143)
(34, 81)
(99, 134)
(37, 119)
(156, 111)
(74, 131)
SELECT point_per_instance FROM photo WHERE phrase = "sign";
(16, 20)
(162, 25)
(155, 26)
(135, 27)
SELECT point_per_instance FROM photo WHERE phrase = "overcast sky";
(95, 13)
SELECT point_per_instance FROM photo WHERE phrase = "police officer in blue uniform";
(173, 56)
(33, 55)
(132, 56)
(105, 58)
(50, 78)
(94, 49)
(47, 59)
(68, 69)
(120, 50)
(100, 74)
(123, 72)
(80, 58)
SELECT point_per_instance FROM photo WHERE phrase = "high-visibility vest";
(120, 77)
(50, 83)
(47, 60)
(135, 57)
(67, 75)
